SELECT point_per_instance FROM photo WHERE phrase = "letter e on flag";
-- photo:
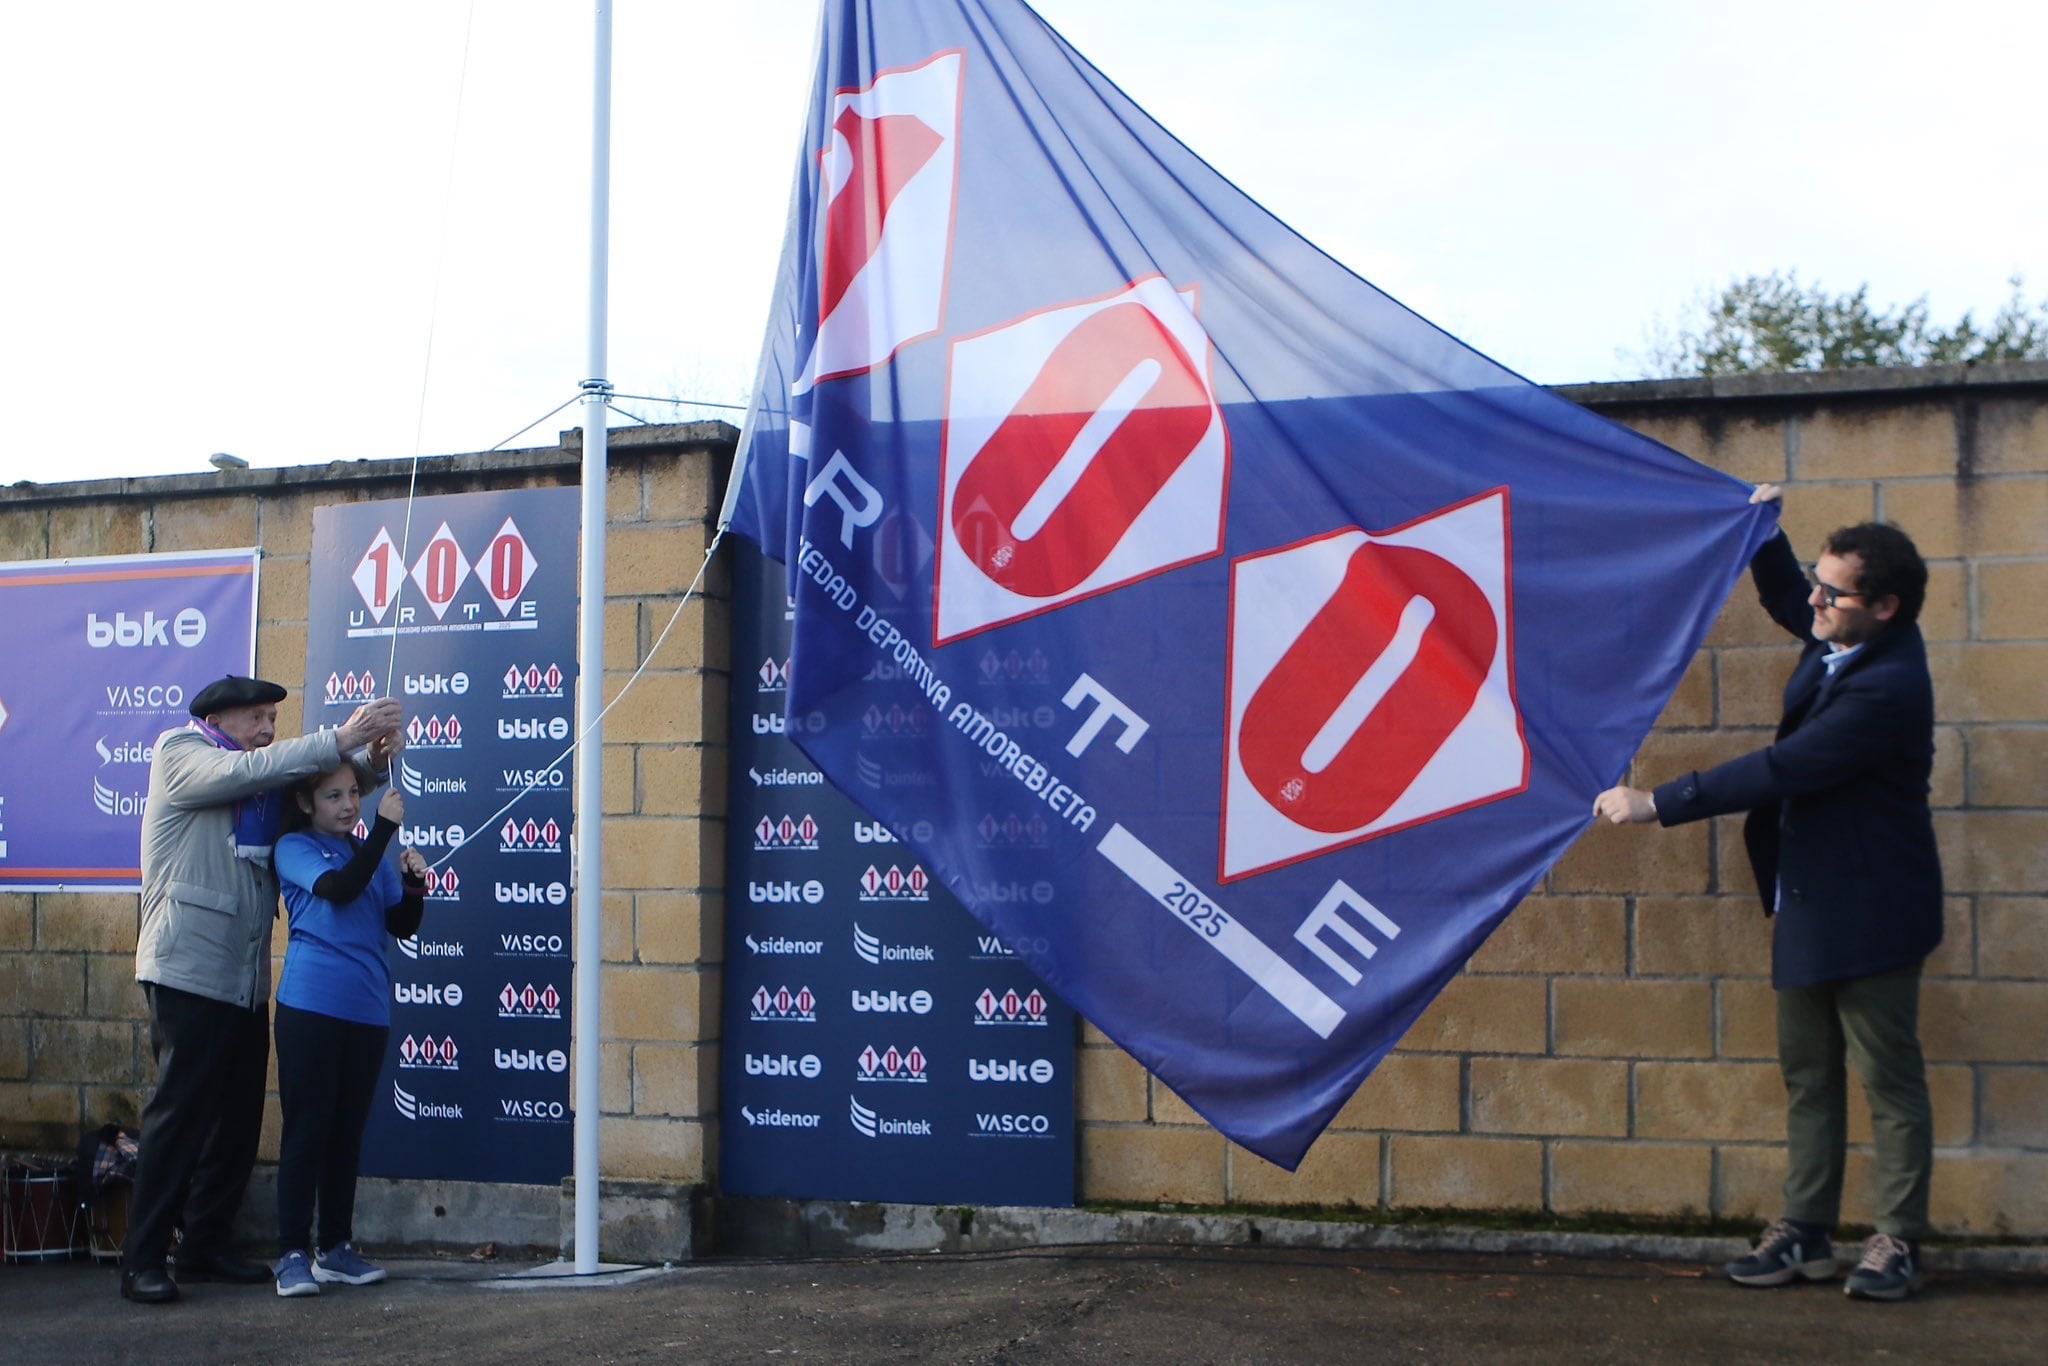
(1083, 450)
(1371, 685)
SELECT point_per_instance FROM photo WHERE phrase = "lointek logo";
(428, 1053)
(531, 946)
(1371, 685)
(893, 1064)
(417, 949)
(530, 837)
(895, 885)
(1012, 1126)
(532, 682)
(426, 994)
(530, 893)
(868, 1124)
(782, 1065)
(776, 945)
(432, 836)
(434, 733)
(891, 1002)
(128, 752)
(1010, 1008)
(411, 1107)
(533, 728)
(786, 893)
(799, 1006)
(188, 628)
(790, 833)
(530, 1060)
(871, 949)
(1038, 1069)
(436, 685)
(417, 784)
(112, 803)
(526, 1003)
(779, 1119)
(349, 689)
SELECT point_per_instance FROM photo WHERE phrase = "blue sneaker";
(343, 1263)
(1787, 1253)
(1890, 1270)
(295, 1276)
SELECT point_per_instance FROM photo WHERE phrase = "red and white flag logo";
(1371, 685)
(886, 180)
(1084, 449)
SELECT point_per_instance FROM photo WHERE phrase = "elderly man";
(209, 900)
(1842, 843)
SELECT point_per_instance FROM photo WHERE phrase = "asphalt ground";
(1140, 1304)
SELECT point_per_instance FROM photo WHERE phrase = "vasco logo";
(533, 728)
(785, 893)
(522, 779)
(1038, 1069)
(782, 1065)
(531, 893)
(188, 628)
(411, 1107)
(428, 1054)
(530, 1060)
(409, 994)
(544, 1111)
(531, 946)
(1012, 1126)
(891, 1002)
(435, 685)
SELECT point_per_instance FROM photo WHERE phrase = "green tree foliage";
(1775, 322)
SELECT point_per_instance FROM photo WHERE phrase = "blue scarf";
(258, 817)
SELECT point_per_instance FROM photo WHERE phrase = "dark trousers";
(1874, 1023)
(326, 1078)
(200, 1129)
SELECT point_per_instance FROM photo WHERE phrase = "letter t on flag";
(1283, 637)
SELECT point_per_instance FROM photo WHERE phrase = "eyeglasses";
(1830, 595)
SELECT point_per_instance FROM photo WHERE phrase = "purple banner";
(103, 655)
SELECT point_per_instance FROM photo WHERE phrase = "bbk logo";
(531, 893)
(436, 685)
(777, 945)
(774, 676)
(1012, 831)
(891, 1002)
(434, 732)
(1012, 1126)
(530, 1060)
(1010, 1008)
(532, 728)
(1038, 1069)
(112, 803)
(530, 837)
(533, 682)
(1039, 893)
(897, 722)
(428, 1053)
(533, 1111)
(350, 689)
(188, 628)
(412, 1108)
(531, 946)
(870, 949)
(895, 885)
(413, 994)
(807, 1067)
(783, 1004)
(792, 834)
(786, 893)
(131, 752)
(444, 886)
(526, 1003)
(533, 779)
(893, 1064)
(417, 948)
(432, 836)
(872, 832)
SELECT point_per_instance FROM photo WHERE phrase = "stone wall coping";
(1862, 382)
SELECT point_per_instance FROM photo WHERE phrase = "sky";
(301, 233)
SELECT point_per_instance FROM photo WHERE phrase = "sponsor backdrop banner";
(102, 656)
(879, 1043)
(1333, 628)
(476, 1086)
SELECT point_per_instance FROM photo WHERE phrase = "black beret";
(231, 692)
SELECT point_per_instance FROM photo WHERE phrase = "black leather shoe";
(154, 1286)
(223, 1266)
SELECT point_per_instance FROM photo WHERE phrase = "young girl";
(334, 1013)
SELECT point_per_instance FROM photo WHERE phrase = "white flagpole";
(590, 677)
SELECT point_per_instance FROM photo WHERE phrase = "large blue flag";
(1237, 645)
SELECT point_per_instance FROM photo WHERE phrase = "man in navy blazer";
(1842, 843)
